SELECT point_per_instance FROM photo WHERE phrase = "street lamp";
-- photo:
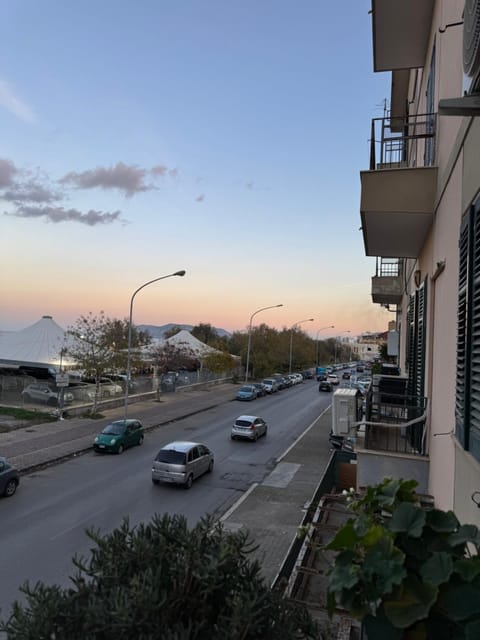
(336, 340)
(332, 326)
(274, 306)
(291, 340)
(177, 273)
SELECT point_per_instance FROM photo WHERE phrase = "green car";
(119, 435)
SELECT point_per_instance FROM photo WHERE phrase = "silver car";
(181, 463)
(249, 427)
(41, 392)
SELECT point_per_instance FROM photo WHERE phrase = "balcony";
(401, 31)
(398, 191)
(391, 440)
(387, 283)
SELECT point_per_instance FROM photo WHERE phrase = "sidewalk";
(271, 511)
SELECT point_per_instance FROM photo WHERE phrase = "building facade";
(420, 214)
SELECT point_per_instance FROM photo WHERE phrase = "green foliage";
(221, 362)
(405, 571)
(162, 580)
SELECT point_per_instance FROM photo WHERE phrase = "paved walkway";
(270, 511)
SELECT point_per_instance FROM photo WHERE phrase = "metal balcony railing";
(389, 267)
(395, 423)
(403, 142)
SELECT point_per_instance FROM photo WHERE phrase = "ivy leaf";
(380, 627)
(346, 538)
(409, 519)
(460, 600)
(442, 521)
(468, 568)
(466, 533)
(437, 569)
(343, 577)
(384, 567)
(414, 603)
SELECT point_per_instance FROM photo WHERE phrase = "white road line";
(228, 513)
(304, 433)
(78, 524)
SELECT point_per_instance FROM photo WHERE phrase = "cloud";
(200, 198)
(59, 214)
(129, 179)
(7, 171)
(11, 103)
(31, 191)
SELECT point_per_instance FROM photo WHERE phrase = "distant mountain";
(158, 332)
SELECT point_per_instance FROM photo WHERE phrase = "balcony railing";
(403, 142)
(395, 423)
(389, 267)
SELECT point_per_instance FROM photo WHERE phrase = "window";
(467, 400)
(416, 341)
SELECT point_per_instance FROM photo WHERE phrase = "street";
(43, 526)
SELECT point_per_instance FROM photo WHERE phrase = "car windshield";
(114, 429)
(171, 456)
(247, 389)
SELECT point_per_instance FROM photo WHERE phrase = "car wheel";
(27, 398)
(189, 482)
(140, 441)
(210, 467)
(232, 437)
(52, 402)
(120, 449)
(255, 436)
(265, 432)
(155, 481)
(10, 488)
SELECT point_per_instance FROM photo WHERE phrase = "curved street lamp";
(177, 273)
(291, 340)
(331, 326)
(273, 306)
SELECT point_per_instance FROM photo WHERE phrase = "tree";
(168, 357)
(98, 345)
(219, 362)
(162, 580)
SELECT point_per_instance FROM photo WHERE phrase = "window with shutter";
(467, 396)
(416, 341)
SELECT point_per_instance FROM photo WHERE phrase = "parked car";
(107, 387)
(333, 378)
(250, 427)
(260, 387)
(346, 375)
(247, 392)
(181, 463)
(307, 375)
(119, 435)
(325, 385)
(271, 385)
(9, 478)
(42, 392)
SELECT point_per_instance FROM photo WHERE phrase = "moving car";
(181, 463)
(333, 378)
(41, 392)
(247, 392)
(325, 385)
(119, 435)
(9, 478)
(249, 427)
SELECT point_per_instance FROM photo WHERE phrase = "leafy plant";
(162, 580)
(406, 571)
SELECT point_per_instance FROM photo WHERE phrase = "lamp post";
(331, 326)
(273, 306)
(291, 340)
(177, 273)
(336, 340)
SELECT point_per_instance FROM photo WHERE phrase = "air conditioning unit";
(346, 410)
(469, 104)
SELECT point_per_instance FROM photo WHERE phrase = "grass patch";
(26, 414)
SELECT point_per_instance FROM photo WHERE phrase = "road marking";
(281, 476)
(295, 442)
(228, 513)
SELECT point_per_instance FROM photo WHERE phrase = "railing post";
(372, 147)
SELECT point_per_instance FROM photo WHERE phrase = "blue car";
(247, 392)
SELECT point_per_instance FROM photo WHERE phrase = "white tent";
(185, 341)
(39, 343)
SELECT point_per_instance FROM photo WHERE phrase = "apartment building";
(420, 217)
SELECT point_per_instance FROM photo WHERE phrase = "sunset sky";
(220, 137)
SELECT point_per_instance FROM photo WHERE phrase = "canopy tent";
(184, 341)
(39, 343)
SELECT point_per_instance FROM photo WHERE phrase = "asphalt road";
(43, 527)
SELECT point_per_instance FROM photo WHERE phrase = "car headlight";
(112, 441)
(96, 439)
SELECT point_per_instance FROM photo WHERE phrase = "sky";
(220, 137)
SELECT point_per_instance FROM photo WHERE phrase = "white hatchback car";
(249, 427)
